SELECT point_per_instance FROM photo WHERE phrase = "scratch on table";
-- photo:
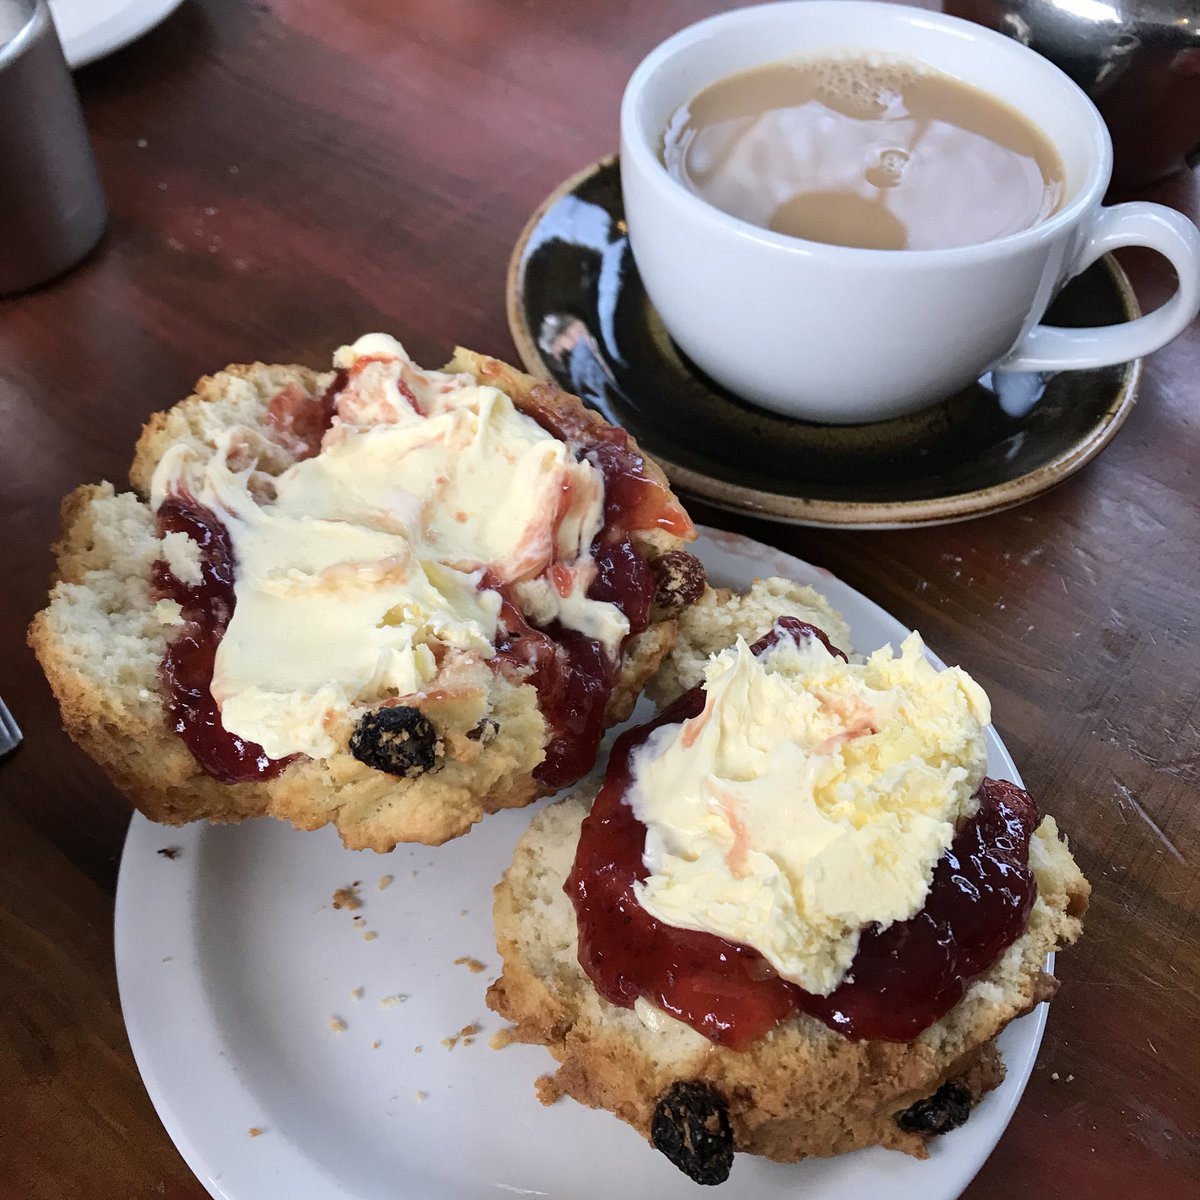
(1122, 795)
(1113, 984)
(1152, 982)
(1153, 825)
(1085, 564)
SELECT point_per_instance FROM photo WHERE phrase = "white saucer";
(90, 29)
(232, 961)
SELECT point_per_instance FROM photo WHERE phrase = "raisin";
(399, 740)
(691, 1127)
(485, 732)
(947, 1109)
(679, 581)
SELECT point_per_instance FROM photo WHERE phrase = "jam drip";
(187, 666)
(573, 678)
(300, 423)
(902, 979)
(632, 500)
(571, 672)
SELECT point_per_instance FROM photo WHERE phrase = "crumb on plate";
(466, 1035)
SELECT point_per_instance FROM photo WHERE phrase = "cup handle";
(1050, 348)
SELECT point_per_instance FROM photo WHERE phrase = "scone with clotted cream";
(796, 914)
(383, 597)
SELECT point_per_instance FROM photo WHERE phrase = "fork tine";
(10, 731)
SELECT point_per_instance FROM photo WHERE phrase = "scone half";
(801, 1088)
(515, 564)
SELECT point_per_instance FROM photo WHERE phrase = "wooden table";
(285, 175)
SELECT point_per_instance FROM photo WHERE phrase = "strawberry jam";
(299, 423)
(187, 666)
(571, 672)
(903, 978)
(573, 678)
(632, 499)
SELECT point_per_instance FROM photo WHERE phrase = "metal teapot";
(1139, 61)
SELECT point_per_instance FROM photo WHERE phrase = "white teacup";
(843, 335)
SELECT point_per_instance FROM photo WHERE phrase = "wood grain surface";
(286, 175)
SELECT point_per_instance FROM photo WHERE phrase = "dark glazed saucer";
(580, 317)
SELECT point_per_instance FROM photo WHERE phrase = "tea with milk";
(866, 152)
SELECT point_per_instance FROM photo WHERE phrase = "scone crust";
(100, 642)
(100, 645)
(720, 616)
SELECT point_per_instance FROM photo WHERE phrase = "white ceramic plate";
(231, 961)
(90, 29)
